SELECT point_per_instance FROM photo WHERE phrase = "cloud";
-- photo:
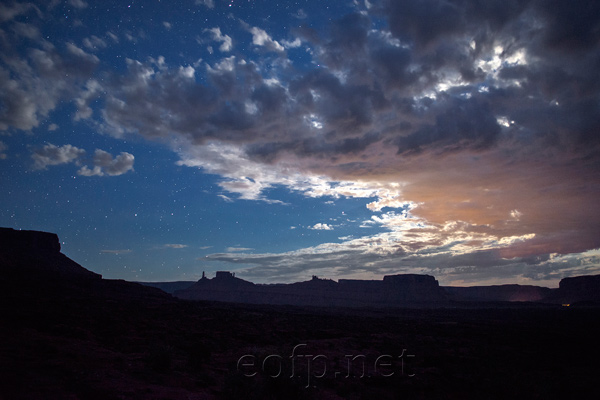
(31, 87)
(175, 246)
(238, 249)
(78, 4)
(300, 14)
(113, 37)
(466, 124)
(292, 44)
(3, 148)
(225, 198)
(7, 13)
(55, 155)
(94, 43)
(87, 95)
(225, 40)
(261, 38)
(116, 252)
(26, 30)
(321, 227)
(208, 3)
(456, 254)
(404, 114)
(105, 164)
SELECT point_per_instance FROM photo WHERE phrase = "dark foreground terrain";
(72, 335)
(87, 346)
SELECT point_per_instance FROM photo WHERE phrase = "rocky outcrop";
(37, 255)
(32, 266)
(578, 289)
(28, 256)
(512, 293)
(406, 290)
(394, 290)
(169, 287)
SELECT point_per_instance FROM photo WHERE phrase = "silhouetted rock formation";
(394, 290)
(498, 293)
(577, 289)
(169, 287)
(407, 290)
(31, 264)
(92, 338)
(37, 254)
(28, 256)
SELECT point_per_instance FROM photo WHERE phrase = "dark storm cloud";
(423, 22)
(367, 87)
(347, 41)
(426, 24)
(368, 77)
(391, 65)
(463, 124)
(572, 25)
(345, 106)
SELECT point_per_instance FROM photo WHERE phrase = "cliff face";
(37, 254)
(169, 287)
(408, 290)
(32, 267)
(576, 290)
(396, 290)
(499, 293)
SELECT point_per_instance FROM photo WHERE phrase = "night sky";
(344, 139)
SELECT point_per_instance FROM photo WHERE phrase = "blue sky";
(346, 139)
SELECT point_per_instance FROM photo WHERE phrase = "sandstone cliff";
(513, 293)
(392, 291)
(37, 254)
(577, 289)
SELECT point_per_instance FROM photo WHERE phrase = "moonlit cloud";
(292, 44)
(3, 148)
(175, 246)
(55, 155)
(237, 249)
(321, 227)
(31, 88)
(116, 252)
(216, 35)
(105, 164)
(78, 3)
(94, 43)
(207, 3)
(261, 38)
(7, 13)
